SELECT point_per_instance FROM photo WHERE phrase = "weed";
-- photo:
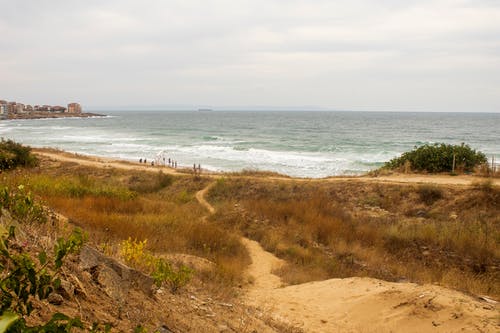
(429, 194)
(148, 183)
(134, 253)
(22, 205)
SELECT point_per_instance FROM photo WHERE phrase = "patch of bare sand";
(371, 305)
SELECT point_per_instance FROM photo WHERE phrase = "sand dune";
(351, 304)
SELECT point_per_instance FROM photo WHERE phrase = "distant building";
(74, 108)
(11, 107)
(58, 109)
(3, 110)
(19, 108)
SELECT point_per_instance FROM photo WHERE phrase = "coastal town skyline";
(440, 55)
(14, 109)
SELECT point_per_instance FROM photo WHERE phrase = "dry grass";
(396, 232)
(422, 233)
(114, 205)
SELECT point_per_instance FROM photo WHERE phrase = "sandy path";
(360, 304)
(101, 162)
(263, 262)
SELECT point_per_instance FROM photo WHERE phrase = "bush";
(147, 183)
(22, 280)
(439, 158)
(13, 154)
(162, 271)
(22, 205)
(429, 194)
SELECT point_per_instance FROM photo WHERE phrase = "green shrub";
(22, 280)
(13, 154)
(21, 205)
(439, 158)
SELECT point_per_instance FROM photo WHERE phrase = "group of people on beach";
(197, 171)
(172, 164)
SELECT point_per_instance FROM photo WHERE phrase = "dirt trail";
(101, 162)
(263, 262)
(360, 304)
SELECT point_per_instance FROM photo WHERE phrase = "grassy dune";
(113, 206)
(422, 233)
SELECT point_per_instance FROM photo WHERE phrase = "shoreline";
(394, 178)
(51, 115)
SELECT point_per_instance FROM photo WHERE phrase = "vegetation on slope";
(159, 210)
(13, 154)
(421, 233)
(439, 157)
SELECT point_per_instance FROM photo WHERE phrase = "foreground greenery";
(22, 279)
(439, 157)
(13, 154)
(29, 275)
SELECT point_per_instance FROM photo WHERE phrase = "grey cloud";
(221, 52)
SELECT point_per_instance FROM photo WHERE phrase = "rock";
(89, 258)
(111, 282)
(67, 290)
(164, 329)
(79, 288)
(115, 276)
(55, 299)
(421, 213)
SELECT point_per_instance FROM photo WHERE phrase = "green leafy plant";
(22, 280)
(439, 157)
(13, 154)
(22, 205)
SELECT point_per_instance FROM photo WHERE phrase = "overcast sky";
(415, 55)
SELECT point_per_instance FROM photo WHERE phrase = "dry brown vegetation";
(423, 233)
(113, 205)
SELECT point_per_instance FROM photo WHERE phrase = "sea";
(296, 143)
